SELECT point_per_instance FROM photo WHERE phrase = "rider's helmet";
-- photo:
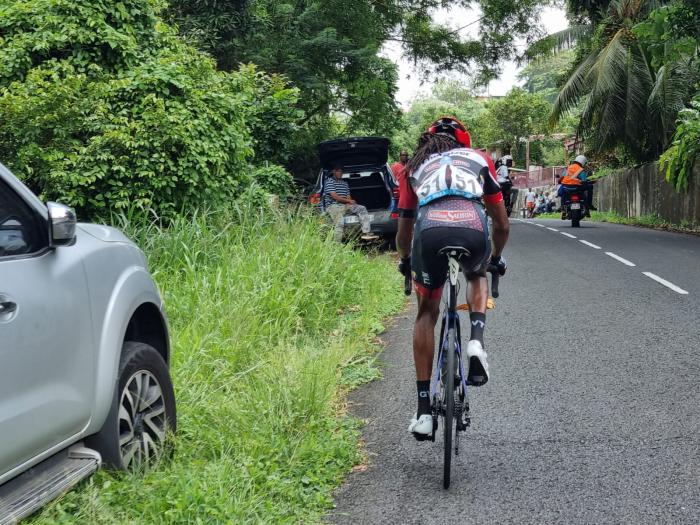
(507, 160)
(453, 127)
(582, 160)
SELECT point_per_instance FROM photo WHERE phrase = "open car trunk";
(369, 190)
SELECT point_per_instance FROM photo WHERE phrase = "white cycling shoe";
(478, 366)
(422, 427)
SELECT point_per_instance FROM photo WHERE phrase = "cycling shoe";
(421, 427)
(478, 366)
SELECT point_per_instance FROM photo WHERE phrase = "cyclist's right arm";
(408, 203)
(493, 200)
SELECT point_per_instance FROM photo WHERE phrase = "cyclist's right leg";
(477, 297)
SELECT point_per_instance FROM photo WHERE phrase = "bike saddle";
(455, 251)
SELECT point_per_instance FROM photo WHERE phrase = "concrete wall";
(644, 191)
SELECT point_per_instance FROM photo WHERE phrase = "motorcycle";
(573, 205)
(509, 196)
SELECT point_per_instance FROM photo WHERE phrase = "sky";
(553, 20)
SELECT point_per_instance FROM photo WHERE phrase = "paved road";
(597, 423)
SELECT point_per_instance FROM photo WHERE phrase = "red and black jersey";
(461, 172)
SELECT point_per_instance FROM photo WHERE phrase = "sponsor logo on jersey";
(452, 215)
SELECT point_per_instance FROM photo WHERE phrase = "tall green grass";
(270, 322)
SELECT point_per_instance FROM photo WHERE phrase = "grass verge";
(270, 322)
(646, 221)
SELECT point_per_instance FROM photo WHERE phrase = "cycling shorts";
(452, 221)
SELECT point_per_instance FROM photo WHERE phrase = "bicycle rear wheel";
(449, 391)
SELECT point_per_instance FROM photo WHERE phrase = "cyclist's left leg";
(429, 271)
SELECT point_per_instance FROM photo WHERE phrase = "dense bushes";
(104, 107)
(680, 158)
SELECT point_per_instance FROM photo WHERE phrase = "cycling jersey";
(447, 191)
(462, 172)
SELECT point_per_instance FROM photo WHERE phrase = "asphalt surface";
(592, 412)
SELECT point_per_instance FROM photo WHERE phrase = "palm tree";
(624, 100)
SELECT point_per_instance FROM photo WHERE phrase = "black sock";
(423, 397)
(478, 321)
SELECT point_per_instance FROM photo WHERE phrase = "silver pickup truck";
(84, 352)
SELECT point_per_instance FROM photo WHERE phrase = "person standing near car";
(338, 203)
(397, 168)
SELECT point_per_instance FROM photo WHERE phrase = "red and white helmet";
(453, 127)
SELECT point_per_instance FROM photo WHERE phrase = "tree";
(626, 100)
(331, 51)
(516, 116)
(108, 109)
(545, 74)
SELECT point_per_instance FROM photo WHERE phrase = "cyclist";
(442, 201)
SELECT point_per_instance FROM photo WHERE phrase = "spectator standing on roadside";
(530, 202)
(338, 203)
(397, 168)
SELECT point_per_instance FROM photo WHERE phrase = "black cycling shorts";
(452, 221)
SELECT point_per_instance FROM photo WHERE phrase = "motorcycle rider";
(503, 178)
(446, 187)
(576, 178)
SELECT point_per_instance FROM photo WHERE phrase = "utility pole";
(527, 154)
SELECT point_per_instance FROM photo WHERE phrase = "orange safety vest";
(572, 173)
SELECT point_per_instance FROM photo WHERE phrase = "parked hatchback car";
(372, 184)
(84, 352)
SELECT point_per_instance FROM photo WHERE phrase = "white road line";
(568, 235)
(666, 283)
(540, 225)
(621, 259)
(552, 229)
(589, 244)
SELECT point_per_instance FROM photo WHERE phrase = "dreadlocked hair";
(429, 144)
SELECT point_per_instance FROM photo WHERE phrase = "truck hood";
(104, 233)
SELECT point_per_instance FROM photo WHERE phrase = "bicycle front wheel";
(449, 403)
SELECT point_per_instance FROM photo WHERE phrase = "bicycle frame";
(449, 399)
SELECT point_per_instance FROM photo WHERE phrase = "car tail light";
(394, 215)
(315, 198)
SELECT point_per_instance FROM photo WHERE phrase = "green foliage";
(260, 352)
(680, 159)
(517, 115)
(114, 110)
(332, 50)
(543, 75)
(635, 67)
(425, 111)
(85, 33)
(273, 179)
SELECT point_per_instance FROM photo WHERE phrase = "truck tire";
(142, 417)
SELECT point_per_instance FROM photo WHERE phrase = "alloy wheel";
(142, 421)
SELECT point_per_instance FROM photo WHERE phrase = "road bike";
(449, 390)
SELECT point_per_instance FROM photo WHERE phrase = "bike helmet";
(582, 160)
(507, 160)
(453, 127)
